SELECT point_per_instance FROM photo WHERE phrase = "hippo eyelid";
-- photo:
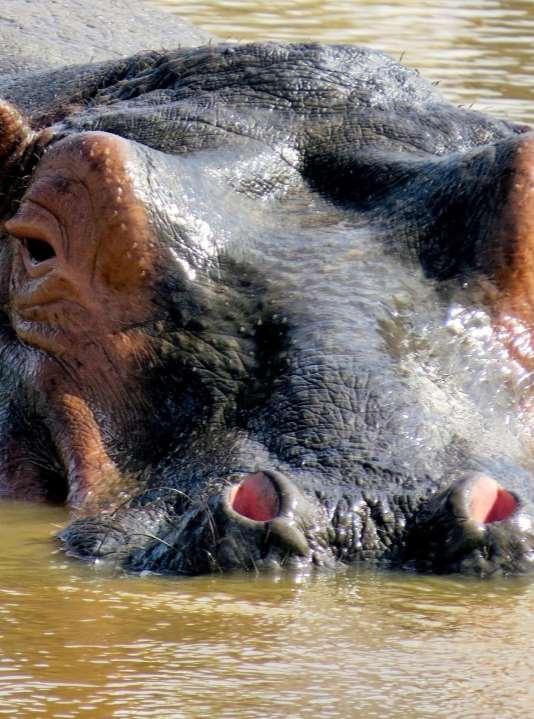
(35, 222)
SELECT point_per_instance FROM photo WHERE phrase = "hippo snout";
(261, 521)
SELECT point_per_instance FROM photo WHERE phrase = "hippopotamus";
(265, 306)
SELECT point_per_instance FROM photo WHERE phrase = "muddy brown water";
(77, 641)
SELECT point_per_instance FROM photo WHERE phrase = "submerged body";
(267, 305)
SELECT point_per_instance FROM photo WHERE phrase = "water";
(77, 641)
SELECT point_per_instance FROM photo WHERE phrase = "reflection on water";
(480, 51)
(75, 641)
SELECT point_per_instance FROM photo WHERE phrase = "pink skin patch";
(490, 502)
(256, 498)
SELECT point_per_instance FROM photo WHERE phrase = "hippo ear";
(15, 134)
(20, 149)
(515, 235)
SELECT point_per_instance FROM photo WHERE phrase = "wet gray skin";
(327, 382)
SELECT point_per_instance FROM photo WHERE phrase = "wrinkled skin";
(268, 306)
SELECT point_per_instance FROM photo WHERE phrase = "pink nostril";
(256, 498)
(489, 502)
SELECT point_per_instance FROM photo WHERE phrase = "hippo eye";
(38, 250)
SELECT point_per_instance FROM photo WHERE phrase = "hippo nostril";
(256, 497)
(489, 502)
(38, 250)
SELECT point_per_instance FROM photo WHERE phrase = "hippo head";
(247, 326)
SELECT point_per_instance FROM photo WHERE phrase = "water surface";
(76, 641)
